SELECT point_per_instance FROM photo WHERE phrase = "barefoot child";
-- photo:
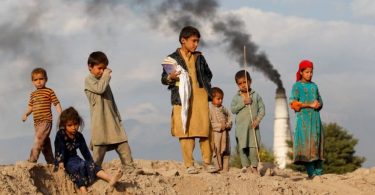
(246, 98)
(68, 139)
(308, 136)
(107, 131)
(40, 105)
(221, 123)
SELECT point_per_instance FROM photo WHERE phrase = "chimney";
(281, 129)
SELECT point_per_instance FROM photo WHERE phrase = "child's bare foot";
(115, 178)
(83, 190)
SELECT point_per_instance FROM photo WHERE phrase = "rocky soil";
(169, 177)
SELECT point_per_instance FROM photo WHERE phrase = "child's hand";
(174, 75)
(296, 105)
(223, 126)
(61, 166)
(315, 104)
(227, 126)
(247, 100)
(24, 118)
(255, 124)
(108, 70)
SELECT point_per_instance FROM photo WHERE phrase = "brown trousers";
(42, 143)
(187, 148)
(122, 149)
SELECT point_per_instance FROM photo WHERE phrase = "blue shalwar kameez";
(308, 134)
(82, 172)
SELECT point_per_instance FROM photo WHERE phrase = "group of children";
(210, 123)
(107, 132)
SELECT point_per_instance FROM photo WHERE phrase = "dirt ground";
(169, 177)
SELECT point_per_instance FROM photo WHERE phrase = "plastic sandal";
(211, 169)
(191, 170)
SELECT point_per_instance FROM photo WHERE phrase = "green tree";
(338, 151)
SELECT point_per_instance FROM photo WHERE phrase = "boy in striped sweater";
(40, 105)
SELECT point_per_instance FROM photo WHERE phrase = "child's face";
(71, 128)
(306, 74)
(241, 83)
(217, 100)
(190, 44)
(97, 70)
(39, 80)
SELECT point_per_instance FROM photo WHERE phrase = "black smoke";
(179, 13)
(175, 14)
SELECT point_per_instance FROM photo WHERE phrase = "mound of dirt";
(169, 177)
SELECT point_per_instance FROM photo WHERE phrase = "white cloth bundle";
(184, 90)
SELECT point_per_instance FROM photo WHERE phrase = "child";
(40, 105)
(247, 121)
(308, 136)
(221, 124)
(68, 140)
(107, 133)
(197, 123)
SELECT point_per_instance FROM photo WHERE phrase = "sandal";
(191, 170)
(211, 169)
(255, 170)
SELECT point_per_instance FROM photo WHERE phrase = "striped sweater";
(40, 101)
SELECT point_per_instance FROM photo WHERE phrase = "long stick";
(248, 93)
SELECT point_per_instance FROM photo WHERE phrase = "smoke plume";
(24, 39)
(179, 13)
(175, 14)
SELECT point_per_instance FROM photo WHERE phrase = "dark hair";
(241, 74)
(215, 91)
(187, 32)
(39, 71)
(96, 58)
(70, 114)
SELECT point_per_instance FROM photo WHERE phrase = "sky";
(338, 36)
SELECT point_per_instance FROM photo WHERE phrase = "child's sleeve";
(84, 149)
(229, 122)
(319, 98)
(207, 70)
(59, 149)
(97, 86)
(54, 99)
(165, 80)
(294, 94)
(237, 104)
(294, 98)
(216, 125)
(31, 102)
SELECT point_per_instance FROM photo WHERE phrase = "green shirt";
(244, 133)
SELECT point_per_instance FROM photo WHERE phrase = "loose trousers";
(187, 148)
(42, 143)
(122, 149)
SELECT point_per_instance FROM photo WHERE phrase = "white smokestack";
(281, 129)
